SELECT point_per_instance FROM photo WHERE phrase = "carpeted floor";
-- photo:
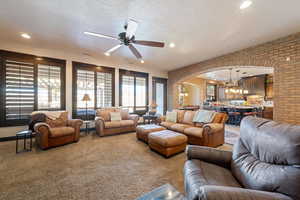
(107, 168)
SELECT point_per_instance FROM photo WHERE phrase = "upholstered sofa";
(52, 132)
(264, 165)
(104, 125)
(211, 134)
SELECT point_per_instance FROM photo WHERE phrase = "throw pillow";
(115, 116)
(171, 116)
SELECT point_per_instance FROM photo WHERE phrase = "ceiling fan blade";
(149, 43)
(100, 35)
(135, 51)
(131, 28)
(113, 49)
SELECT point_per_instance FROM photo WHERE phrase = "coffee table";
(164, 192)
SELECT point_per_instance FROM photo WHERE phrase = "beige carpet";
(108, 168)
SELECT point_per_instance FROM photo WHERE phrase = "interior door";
(160, 94)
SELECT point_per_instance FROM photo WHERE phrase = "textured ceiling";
(201, 29)
(236, 73)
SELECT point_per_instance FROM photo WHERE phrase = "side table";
(24, 135)
(87, 125)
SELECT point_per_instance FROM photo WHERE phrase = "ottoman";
(143, 131)
(167, 142)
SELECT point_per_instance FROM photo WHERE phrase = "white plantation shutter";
(19, 90)
(49, 87)
(104, 89)
(128, 92)
(140, 97)
(85, 85)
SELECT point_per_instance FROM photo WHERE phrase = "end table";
(24, 135)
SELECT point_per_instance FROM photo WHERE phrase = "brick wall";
(270, 54)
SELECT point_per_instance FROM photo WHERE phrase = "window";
(29, 84)
(19, 90)
(134, 91)
(211, 92)
(49, 87)
(159, 94)
(98, 83)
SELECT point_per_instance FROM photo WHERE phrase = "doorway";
(159, 94)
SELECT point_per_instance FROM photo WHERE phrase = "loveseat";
(55, 128)
(105, 126)
(264, 165)
(210, 134)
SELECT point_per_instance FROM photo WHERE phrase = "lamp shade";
(86, 97)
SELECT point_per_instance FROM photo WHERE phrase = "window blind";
(104, 89)
(49, 87)
(140, 97)
(128, 92)
(19, 90)
(85, 85)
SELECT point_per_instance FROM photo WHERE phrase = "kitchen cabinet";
(255, 85)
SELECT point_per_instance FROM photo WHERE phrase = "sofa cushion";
(124, 114)
(188, 117)
(193, 131)
(61, 121)
(167, 138)
(198, 173)
(179, 127)
(112, 124)
(167, 124)
(125, 123)
(180, 115)
(171, 117)
(218, 118)
(61, 131)
(105, 113)
(115, 116)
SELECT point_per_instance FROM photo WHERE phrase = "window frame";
(35, 60)
(90, 67)
(163, 81)
(134, 74)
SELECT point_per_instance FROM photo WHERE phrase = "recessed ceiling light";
(245, 4)
(107, 54)
(172, 45)
(142, 61)
(288, 58)
(25, 35)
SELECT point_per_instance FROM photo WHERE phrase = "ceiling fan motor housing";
(124, 40)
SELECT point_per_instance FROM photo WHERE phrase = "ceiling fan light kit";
(127, 38)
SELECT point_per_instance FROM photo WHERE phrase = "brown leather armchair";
(56, 132)
(264, 165)
(104, 126)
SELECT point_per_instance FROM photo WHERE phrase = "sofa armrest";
(211, 192)
(135, 118)
(76, 124)
(99, 125)
(211, 155)
(213, 127)
(42, 133)
(162, 119)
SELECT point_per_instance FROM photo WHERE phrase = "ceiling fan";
(127, 38)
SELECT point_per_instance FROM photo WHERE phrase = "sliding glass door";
(159, 94)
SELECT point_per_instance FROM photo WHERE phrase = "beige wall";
(69, 57)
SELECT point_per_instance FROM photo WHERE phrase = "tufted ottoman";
(143, 131)
(167, 142)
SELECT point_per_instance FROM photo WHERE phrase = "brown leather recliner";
(104, 125)
(264, 165)
(211, 135)
(56, 132)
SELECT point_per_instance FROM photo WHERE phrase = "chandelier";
(232, 87)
